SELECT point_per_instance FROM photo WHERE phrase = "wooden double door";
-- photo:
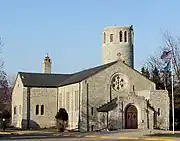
(131, 117)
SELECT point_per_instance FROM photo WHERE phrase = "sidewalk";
(121, 134)
(135, 135)
(41, 133)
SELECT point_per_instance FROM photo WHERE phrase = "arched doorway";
(131, 117)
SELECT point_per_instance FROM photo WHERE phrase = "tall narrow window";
(68, 101)
(15, 110)
(92, 111)
(125, 36)
(42, 109)
(120, 36)
(111, 37)
(76, 100)
(92, 127)
(104, 37)
(64, 100)
(60, 100)
(37, 109)
(19, 109)
(158, 111)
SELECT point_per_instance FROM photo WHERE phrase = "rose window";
(118, 82)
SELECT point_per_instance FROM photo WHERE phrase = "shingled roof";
(79, 76)
(42, 79)
(55, 80)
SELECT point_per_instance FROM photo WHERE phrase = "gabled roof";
(42, 79)
(55, 80)
(79, 76)
(58, 80)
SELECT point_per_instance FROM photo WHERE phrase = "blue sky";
(70, 30)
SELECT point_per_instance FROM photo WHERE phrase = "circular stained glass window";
(119, 82)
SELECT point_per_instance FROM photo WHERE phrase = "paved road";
(65, 140)
(45, 138)
(70, 139)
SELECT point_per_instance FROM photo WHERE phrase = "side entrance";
(131, 117)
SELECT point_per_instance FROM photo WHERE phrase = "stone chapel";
(113, 95)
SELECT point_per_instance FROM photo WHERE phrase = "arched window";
(120, 36)
(37, 109)
(104, 37)
(42, 109)
(111, 37)
(125, 36)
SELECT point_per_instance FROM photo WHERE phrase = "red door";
(131, 117)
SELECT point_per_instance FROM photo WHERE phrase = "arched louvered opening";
(125, 36)
(104, 37)
(37, 109)
(120, 36)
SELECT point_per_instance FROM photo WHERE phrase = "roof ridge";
(46, 73)
(95, 67)
(54, 80)
(79, 75)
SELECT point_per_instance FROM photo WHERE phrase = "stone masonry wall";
(99, 90)
(17, 101)
(68, 98)
(160, 99)
(110, 49)
(140, 103)
(48, 98)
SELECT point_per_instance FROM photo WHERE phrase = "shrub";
(6, 115)
(62, 118)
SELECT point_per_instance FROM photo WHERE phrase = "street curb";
(5, 133)
(129, 138)
(94, 136)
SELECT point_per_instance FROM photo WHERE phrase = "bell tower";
(47, 64)
(118, 40)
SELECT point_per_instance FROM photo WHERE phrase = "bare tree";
(173, 44)
(170, 43)
(3, 75)
(1, 60)
(11, 80)
(5, 95)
